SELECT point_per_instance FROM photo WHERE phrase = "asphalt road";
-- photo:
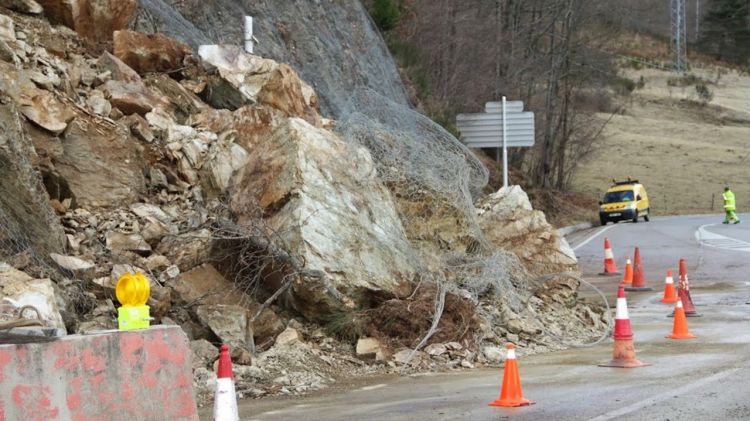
(707, 378)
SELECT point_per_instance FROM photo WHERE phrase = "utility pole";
(697, 18)
(679, 39)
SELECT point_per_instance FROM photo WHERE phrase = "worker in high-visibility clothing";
(730, 207)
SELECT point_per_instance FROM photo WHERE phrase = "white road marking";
(377, 386)
(664, 396)
(592, 236)
(711, 239)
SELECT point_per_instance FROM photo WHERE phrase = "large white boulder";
(256, 80)
(509, 222)
(322, 196)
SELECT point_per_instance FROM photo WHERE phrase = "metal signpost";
(249, 46)
(502, 125)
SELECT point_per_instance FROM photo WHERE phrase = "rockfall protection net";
(24, 232)
(434, 180)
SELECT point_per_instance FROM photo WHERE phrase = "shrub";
(406, 53)
(624, 86)
(686, 80)
(641, 83)
(705, 95)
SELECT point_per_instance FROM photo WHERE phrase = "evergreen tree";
(386, 14)
(725, 32)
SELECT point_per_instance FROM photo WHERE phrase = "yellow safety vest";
(729, 204)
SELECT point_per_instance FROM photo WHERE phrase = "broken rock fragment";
(119, 242)
(80, 268)
(30, 7)
(94, 20)
(148, 53)
(119, 70)
(18, 289)
(42, 108)
(133, 97)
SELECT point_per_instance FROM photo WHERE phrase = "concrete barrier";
(136, 375)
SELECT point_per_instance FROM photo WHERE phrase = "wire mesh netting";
(434, 180)
(27, 225)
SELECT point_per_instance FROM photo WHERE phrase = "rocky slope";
(332, 44)
(259, 222)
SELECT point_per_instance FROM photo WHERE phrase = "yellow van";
(624, 200)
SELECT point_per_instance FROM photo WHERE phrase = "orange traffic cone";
(627, 279)
(639, 281)
(511, 393)
(610, 268)
(670, 295)
(225, 400)
(623, 355)
(680, 327)
(684, 292)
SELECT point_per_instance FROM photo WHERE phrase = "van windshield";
(619, 196)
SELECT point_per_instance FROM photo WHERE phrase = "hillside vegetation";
(590, 72)
(684, 150)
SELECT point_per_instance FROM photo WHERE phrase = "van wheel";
(635, 218)
(648, 210)
(602, 220)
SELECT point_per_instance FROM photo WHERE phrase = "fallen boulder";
(30, 7)
(94, 20)
(323, 197)
(149, 53)
(370, 349)
(42, 108)
(18, 289)
(204, 353)
(186, 250)
(7, 31)
(509, 222)
(80, 268)
(229, 324)
(119, 70)
(254, 80)
(133, 97)
(206, 285)
(102, 167)
(120, 242)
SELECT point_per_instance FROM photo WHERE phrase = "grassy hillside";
(684, 151)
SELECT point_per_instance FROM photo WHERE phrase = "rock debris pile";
(258, 223)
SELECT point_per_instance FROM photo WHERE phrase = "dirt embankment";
(684, 152)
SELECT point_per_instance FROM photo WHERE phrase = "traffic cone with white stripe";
(684, 292)
(511, 393)
(624, 351)
(225, 400)
(639, 277)
(670, 295)
(680, 326)
(627, 278)
(610, 267)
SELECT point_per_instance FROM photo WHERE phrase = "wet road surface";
(707, 378)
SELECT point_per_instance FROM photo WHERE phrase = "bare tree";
(544, 52)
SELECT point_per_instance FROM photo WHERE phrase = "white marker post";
(505, 148)
(249, 34)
